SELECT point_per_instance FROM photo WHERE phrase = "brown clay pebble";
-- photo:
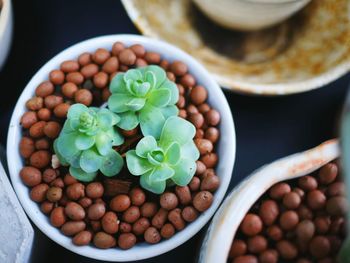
(35, 103)
(85, 202)
(44, 89)
(305, 230)
(96, 211)
(268, 256)
(196, 119)
(194, 184)
(28, 119)
(178, 68)
(336, 188)
(198, 95)
(337, 206)
(289, 220)
(316, 199)
(210, 160)
(110, 223)
(94, 190)
(61, 110)
(40, 159)
(268, 212)
(167, 231)
(212, 134)
(187, 80)
(44, 114)
(140, 63)
(72, 228)
(30, 176)
(307, 183)
(160, 218)
(95, 225)
(75, 77)
(83, 238)
(257, 244)
(54, 194)
(204, 146)
(69, 179)
(83, 96)
(46, 207)
(200, 168)
(74, 211)
(127, 57)
(328, 173)
(26, 147)
(131, 214)
(210, 183)
(152, 235)
(52, 129)
(125, 227)
(148, 209)
(111, 65)
(84, 59)
(168, 201)
(245, 259)
(104, 240)
(137, 196)
(202, 200)
(75, 191)
(57, 182)
(117, 47)
(274, 232)
(322, 224)
(42, 144)
(138, 49)
(69, 66)
(286, 249)
(238, 248)
(319, 247)
(38, 193)
(100, 80)
(56, 77)
(57, 216)
(120, 203)
(212, 117)
(152, 58)
(140, 226)
(291, 200)
(89, 70)
(251, 225)
(37, 129)
(126, 240)
(52, 101)
(184, 194)
(176, 219)
(304, 212)
(279, 190)
(100, 56)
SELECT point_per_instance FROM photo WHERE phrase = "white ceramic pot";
(6, 24)
(223, 227)
(226, 148)
(249, 14)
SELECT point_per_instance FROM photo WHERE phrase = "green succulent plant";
(146, 96)
(86, 140)
(169, 160)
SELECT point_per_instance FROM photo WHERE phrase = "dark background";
(267, 128)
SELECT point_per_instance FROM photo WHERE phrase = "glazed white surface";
(6, 25)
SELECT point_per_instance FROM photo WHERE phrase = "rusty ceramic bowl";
(303, 53)
(223, 227)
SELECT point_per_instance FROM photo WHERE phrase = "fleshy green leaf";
(184, 172)
(171, 86)
(75, 110)
(160, 97)
(161, 173)
(145, 145)
(155, 157)
(80, 175)
(62, 160)
(103, 143)
(117, 84)
(117, 138)
(84, 142)
(151, 121)
(137, 165)
(169, 111)
(154, 187)
(178, 130)
(158, 72)
(117, 102)
(150, 77)
(132, 74)
(90, 161)
(136, 104)
(189, 151)
(74, 161)
(141, 89)
(66, 145)
(173, 153)
(107, 119)
(128, 120)
(112, 163)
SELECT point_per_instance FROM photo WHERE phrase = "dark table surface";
(267, 128)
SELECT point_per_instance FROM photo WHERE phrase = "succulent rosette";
(169, 160)
(143, 96)
(86, 142)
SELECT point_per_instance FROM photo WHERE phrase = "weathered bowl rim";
(250, 88)
(224, 168)
(233, 209)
